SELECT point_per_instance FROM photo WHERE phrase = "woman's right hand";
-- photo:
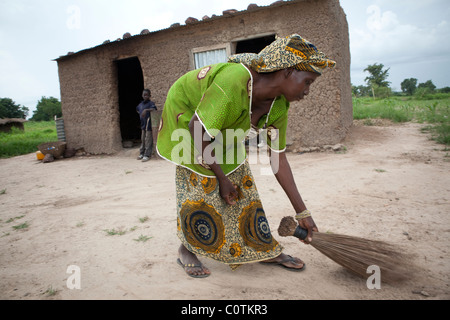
(308, 224)
(228, 191)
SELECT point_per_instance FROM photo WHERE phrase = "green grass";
(18, 142)
(142, 238)
(15, 218)
(431, 109)
(114, 232)
(21, 226)
(143, 219)
(51, 291)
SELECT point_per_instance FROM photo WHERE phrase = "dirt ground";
(391, 183)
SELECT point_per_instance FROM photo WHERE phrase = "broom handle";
(300, 233)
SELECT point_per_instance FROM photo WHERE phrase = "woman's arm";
(226, 188)
(283, 174)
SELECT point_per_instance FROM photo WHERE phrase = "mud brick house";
(101, 86)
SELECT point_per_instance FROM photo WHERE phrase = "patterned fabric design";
(209, 227)
(292, 51)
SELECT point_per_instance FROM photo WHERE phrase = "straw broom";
(353, 253)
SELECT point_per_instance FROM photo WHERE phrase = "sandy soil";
(391, 183)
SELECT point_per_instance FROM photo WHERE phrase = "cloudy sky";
(411, 37)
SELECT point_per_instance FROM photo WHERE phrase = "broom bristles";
(356, 254)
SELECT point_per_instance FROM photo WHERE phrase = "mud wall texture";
(89, 80)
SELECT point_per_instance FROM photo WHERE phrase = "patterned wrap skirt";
(208, 226)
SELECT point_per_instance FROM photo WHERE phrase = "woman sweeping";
(206, 117)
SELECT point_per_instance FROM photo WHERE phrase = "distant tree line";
(9, 109)
(46, 109)
(378, 86)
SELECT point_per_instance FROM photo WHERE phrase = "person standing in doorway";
(144, 110)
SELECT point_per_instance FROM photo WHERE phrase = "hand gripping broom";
(353, 253)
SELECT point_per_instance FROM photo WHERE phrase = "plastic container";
(39, 155)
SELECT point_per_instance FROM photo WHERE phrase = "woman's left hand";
(228, 191)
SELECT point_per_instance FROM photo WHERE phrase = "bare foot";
(192, 266)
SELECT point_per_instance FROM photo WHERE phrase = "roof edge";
(225, 14)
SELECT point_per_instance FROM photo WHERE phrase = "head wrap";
(292, 51)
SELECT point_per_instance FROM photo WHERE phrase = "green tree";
(9, 109)
(354, 90)
(381, 92)
(409, 86)
(360, 91)
(444, 90)
(427, 85)
(364, 90)
(46, 109)
(377, 77)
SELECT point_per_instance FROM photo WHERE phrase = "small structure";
(7, 124)
(101, 86)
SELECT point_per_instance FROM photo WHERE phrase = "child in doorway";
(144, 109)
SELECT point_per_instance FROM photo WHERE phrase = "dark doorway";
(254, 45)
(131, 85)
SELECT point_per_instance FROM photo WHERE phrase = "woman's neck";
(265, 88)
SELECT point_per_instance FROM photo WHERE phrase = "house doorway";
(130, 87)
(254, 45)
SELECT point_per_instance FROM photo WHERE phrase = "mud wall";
(89, 84)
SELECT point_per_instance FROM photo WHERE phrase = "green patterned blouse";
(220, 95)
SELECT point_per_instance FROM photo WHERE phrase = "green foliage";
(409, 86)
(367, 108)
(425, 88)
(18, 142)
(47, 109)
(444, 90)
(428, 84)
(377, 75)
(361, 91)
(9, 109)
(431, 108)
(381, 92)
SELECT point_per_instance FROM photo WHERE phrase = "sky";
(410, 37)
